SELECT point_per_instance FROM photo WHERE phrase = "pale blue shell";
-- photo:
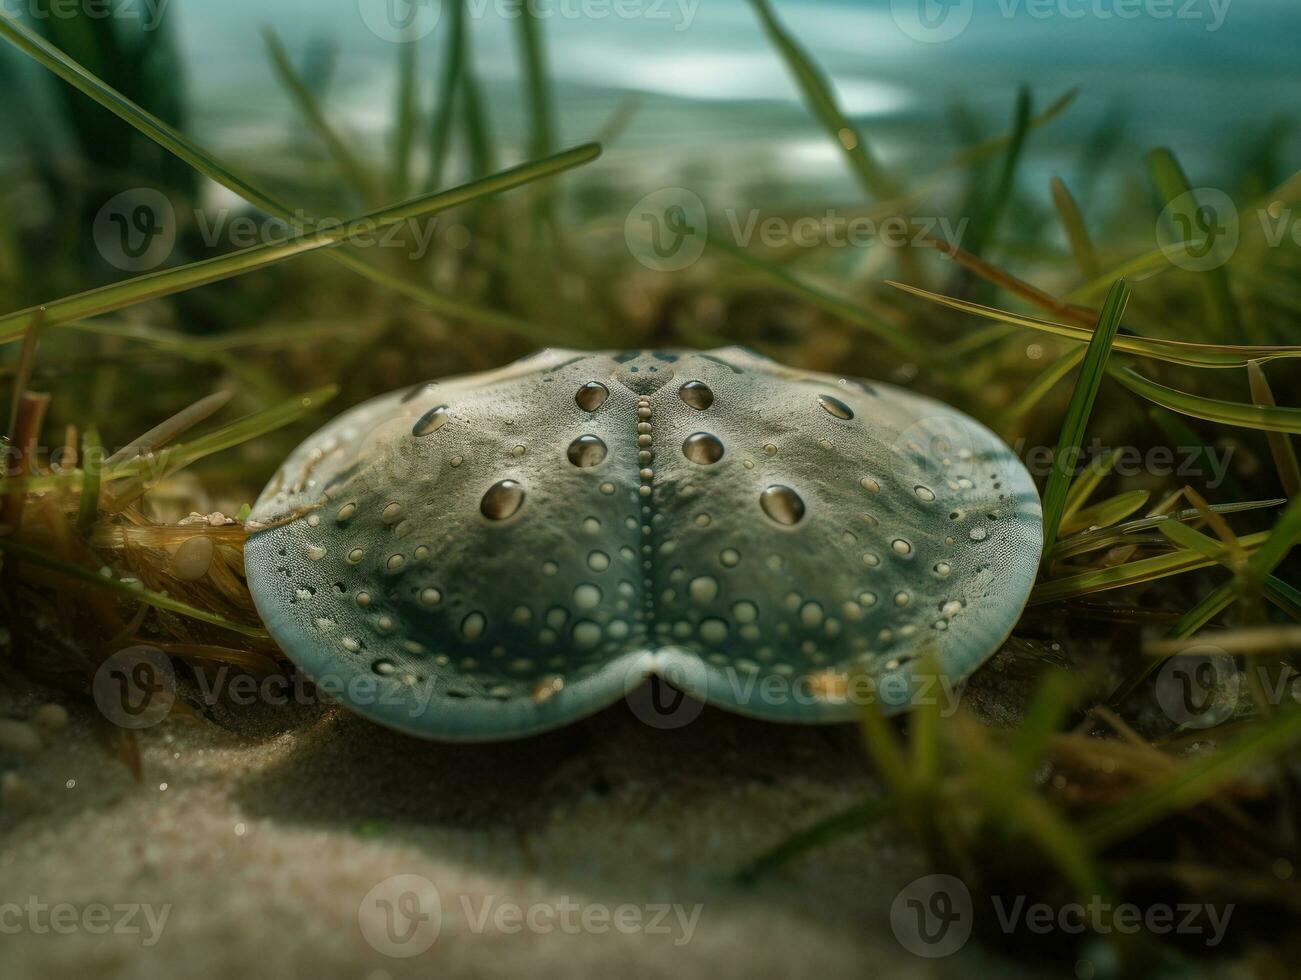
(394, 569)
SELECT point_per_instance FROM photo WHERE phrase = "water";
(713, 95)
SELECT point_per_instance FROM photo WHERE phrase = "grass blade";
(1037, 389)
(1172, 184)
(1195, 783)
(1106, 513)
(116, 296)
(405, 127)
(1077, 233)
(1173, 351)
(1268, 418)
(820, 99)
(843, 308)
(1130, 573)
(310, 109)
(1280, 444)
(440, 132)
(90, 576)
(858, 817)
(185, 149)
(1071, 436)
(1087, 482)
(985, 230)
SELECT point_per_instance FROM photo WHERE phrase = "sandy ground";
(263, 838)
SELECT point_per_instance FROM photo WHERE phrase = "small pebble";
(193, 558)
(50, 719)
(15, 792)
(18, 736)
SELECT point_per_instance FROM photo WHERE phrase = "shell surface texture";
(496, 555)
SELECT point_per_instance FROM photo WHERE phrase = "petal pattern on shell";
(499, 554)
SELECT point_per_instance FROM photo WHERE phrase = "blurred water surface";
(1205, 76)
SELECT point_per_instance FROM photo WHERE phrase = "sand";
(262, 835)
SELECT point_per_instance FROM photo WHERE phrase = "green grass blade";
(1172, 184)
(475, 114)
(1130, 573)
(303, 97)
(998, 144)
(235, 433)
(537, 89)
(1105, 513)
(1037, 389)
(985, 230)
(90, 576)
(1173, 351)
(1280, 444)
(1282, 538)
(849, 312)
(449, 83)
(820, 99)
(117, 296)
(88, 506)
(1043, 719)
(404, 141)
(1077, 232)
(1195, 783)
(1071, 436)
(856, 818)
(185, 149)
(50, 57)
(1084, 486)
(1265, 417)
